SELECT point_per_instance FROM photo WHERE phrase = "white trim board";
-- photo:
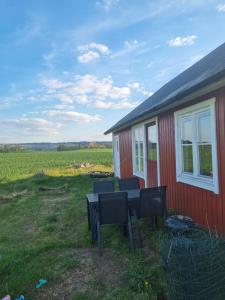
(144, 175)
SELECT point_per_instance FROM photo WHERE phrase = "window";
(152, 142)
(196, 155)
(138, 151)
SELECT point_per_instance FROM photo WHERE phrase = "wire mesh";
(194, 264)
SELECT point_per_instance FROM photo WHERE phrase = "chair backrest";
(113, 208)
(153, 202)
(129, 184)
(103, 186)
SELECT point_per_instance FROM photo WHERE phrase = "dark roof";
(208, 70)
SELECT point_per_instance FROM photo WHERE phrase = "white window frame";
(135, 171)
(116, 160)
(194, 179)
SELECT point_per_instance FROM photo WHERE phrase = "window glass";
(136, 148)
(152, 142)
(141, 153)
(187, 158)
(204, 133)
(141, 164)
(187, 130)
(137, 163)
(139, 149)
(205, 160)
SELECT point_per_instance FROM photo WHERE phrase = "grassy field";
(44, 234)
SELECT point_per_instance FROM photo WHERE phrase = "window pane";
(204, 134)
(137, 163)
(141, 149)
(187, 159)
(205, 160)
(136, 148)
(136, 134)
(141, 164)
(186, 130)
(152, 142)
(141, 134)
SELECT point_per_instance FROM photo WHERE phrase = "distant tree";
(10, 148)
(61, 147)
(94, 145)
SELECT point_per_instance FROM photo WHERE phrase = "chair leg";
(156, 222)
(139, 234)
(151, 222)
(93, 223)
(130, 233)
(138, 229)
(124, 230)
(99, 238)
(88, 215)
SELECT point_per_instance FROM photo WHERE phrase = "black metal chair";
(153, 202)
(103, 186)
(152, 205)
(113, 209)
(129, 184)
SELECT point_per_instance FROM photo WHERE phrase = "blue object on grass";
(42, 282)
(20, 297)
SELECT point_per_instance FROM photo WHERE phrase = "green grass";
(45, 235)
(24, 164)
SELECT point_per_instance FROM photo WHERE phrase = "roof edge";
(204, 88)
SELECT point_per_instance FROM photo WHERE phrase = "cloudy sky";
(71, 69)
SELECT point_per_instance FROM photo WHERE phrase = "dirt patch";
(80, 165)
(90, 269)
(12, 196)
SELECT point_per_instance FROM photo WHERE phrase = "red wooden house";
(177, 138)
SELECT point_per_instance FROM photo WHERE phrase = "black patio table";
(92, 200)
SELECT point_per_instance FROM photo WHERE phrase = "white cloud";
(100, 47)
(221, 7)
(129, 47)
(91, 52)
(182, 41)
(88, 57)
(107, 5)
(63, 107)
(31, 126)
(85, 90)
(136, 86)
(53, 84)
(111, 105)
(72, 116)
(131, 44)
(50, 57)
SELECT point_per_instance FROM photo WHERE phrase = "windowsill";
(140, 175)
(203, 183)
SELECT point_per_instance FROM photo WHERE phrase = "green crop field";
(44, 234)
(23, 164)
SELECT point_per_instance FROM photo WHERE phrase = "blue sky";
(71, 69)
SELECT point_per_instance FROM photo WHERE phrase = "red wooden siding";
(203, 206)
(126, 167)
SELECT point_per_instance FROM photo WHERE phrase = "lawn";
(44, 234)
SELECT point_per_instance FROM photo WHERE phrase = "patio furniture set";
(105, 206)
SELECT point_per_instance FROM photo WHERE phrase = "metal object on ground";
(194, 265)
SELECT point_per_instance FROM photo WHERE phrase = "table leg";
(88, 215)
(93, 222)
